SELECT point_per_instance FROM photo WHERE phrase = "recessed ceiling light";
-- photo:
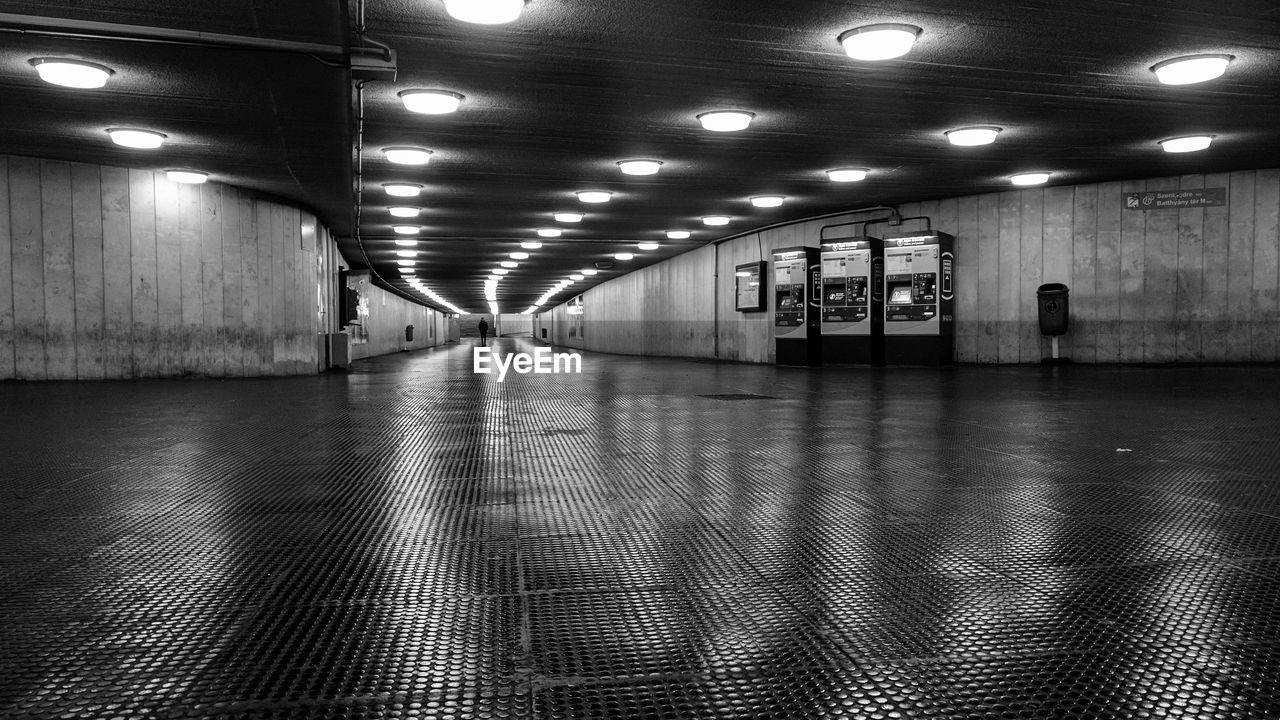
(678, 234)
(530, 244)
(726, 120)
(410, 271)
(588, 271)
(407, 155)
(879, 42)
(72, 73)
(484, 12)
(847, 174)
(406, 242)
(402, 189)
(716, 220)
(594, 196)
(137, 139)
(499, 271)
(509, 264)
(431, 102)
(576, 276)
(519, 256)
(568, 217)
(648, 245)
(976, 135)
(1031, 178)
(1190, 143)
(405, 263)
(1191, 69)
(406, 229)
(403, 211)
(767, 201)
(188, 177)
(550, 232)
(623, 256)
(639, 167)
(406, 253)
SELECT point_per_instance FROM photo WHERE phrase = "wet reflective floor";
(648, 539)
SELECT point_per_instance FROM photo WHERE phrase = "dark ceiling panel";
(557, 97)
(297, 20)
(275, 122)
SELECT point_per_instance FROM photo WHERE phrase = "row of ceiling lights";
(871, 43)
(79, 74)
(885, 41)
(82, 75)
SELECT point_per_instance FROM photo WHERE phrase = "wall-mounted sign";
(1175, 199)
(749, 287)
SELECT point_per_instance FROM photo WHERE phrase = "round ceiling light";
(767, 201)
(847, 174)
(639, 167)
(484, 12)
(406, 253)
(976, 135)
(879, 42)
(406, 229)
(404, 211)
(499, 271)
(509, 264)
(1031, 178)
(1190, 143)
(1191, 69)
(405, 263)
(530, 244)
(715, 220)
(431, 102)
(406, 242)
(137, 139)
(594, 196)
(648, 245)
(518, 256)
(726, 120)
(678, 234)
(568, 217)
(623, 256)
(72, 73)
(407, 155)
(549, 232)
(187, 177)
(402, 189)
(575, 276)
(588, 271)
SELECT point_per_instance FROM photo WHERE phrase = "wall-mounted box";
(748, 287)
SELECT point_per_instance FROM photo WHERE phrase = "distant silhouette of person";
(484, 332)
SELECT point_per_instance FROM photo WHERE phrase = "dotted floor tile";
(406, 539)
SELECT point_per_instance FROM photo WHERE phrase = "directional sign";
(1175, 199)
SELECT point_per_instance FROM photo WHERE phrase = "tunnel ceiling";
(554, 99)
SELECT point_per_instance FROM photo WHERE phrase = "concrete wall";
(115, 273)
(1190, 285)
(388, 315)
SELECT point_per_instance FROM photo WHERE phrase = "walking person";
(484, 331)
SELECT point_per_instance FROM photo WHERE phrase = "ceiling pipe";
(784, 223)
(95, 30)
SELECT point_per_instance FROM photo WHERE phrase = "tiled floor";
(649, 539)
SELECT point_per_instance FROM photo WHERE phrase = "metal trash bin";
(1054, 303)
(408, 333)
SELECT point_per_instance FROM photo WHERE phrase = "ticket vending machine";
(853, 302)
(919, 299)
(796, 306)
